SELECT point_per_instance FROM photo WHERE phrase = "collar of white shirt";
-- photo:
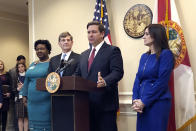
(67, 55)
(97, 48)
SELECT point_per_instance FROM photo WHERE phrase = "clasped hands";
(138, 105)
(101, 82)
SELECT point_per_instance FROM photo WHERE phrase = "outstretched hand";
(101, 81)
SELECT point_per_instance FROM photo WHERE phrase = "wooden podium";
(70, 104)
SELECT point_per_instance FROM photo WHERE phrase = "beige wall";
(48, 18)
(13, 38)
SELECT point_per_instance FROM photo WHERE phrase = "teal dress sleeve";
(24, 90)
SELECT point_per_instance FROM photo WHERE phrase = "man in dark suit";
(103, 64)
(67, 55)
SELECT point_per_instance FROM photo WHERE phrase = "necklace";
(43, 61)
(38, 61)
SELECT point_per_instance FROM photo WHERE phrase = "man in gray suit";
(66, 57)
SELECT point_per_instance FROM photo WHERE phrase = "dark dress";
(151, 86)
(21, 109)
(5, 81)
(1, 98)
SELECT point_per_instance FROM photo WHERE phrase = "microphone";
(69, 62)
(61, 65)
(66, 64)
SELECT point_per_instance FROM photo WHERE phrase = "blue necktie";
(62, 60)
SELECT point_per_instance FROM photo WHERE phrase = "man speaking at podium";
(102, 63)
(67, 58)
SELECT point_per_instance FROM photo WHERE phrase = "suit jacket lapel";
(58, 59)
(99, 53)
(86, 60)
(71, 56)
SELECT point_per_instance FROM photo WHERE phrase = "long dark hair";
(17, 71)
(158, 33)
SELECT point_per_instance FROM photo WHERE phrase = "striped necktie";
(62, 61)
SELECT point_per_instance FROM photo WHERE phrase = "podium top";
(70, 83)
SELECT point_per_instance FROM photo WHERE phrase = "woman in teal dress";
(38, 102)
(151, 94)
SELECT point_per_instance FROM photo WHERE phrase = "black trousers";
(15, 118)
(103, 121)
(3, 120)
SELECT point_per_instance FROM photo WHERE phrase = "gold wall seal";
(52, 82)
(136, 19)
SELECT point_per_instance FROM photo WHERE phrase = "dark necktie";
(62, 61)
(91, 58)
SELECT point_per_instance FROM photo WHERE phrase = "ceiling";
(18, 7)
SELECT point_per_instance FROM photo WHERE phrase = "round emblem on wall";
(136, 19)
(52, 82)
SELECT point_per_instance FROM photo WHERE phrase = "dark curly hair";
(44, 42)
(20, 57)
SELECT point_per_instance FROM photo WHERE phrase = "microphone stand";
(64, 67)
(60, 66)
